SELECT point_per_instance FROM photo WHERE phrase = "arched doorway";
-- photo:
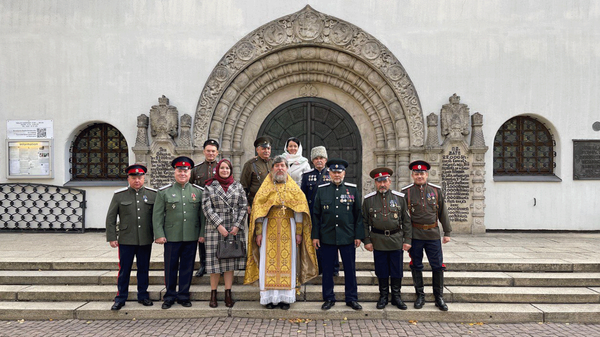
(317, 121)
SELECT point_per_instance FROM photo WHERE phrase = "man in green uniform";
(133, 205)
(200, 173)
(338, 227)
(388, 234)
(426, 208)
(177, 220)
(256, 169)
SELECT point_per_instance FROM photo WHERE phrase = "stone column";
(479, 149)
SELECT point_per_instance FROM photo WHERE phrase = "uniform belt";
(424, 227)
(386, 232)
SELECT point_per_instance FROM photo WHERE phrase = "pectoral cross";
(283, 208)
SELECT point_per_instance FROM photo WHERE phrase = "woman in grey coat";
(225, 206)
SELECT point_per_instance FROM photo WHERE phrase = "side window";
(99, 152)
(523, 146)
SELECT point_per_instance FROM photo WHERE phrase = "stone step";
(109, 277)
(367, 293)
(458, 313)
(362, 263)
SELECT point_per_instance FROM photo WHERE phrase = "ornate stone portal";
(164, 125)
(306, 54)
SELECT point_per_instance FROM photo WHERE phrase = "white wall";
(82, 61)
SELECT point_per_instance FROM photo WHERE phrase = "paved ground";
(241, 327)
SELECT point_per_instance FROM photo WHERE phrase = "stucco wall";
(76, 62)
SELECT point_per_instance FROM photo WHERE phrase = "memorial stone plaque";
(455, 182)
(586, 159)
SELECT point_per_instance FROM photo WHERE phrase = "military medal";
(194, 196)
(174, 206)
(173, 195)
(145, 198)
(395, 215)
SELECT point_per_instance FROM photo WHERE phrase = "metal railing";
(41, 208)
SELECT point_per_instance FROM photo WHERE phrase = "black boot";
(384, 291)
(417, 276)
(202, 256)
(396, 298)
(438, 290)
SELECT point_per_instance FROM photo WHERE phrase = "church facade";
(498, 97)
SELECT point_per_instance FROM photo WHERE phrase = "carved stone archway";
(303, 48)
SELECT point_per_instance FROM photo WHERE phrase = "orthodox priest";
(280, 254)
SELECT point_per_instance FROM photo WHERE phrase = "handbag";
(230, 248)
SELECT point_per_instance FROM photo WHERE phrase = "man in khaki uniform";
(133, 205)
(200, 173)
(177, 220)
(256, 169)
(388, 234)
(427, 208)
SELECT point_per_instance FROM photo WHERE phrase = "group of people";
(299, 222)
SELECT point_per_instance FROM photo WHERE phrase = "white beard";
(280, 177)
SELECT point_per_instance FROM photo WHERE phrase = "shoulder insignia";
(323, 185)
(307, 172)
(436, 186)
(121, 190)
(407, 186)
(370, 194)
(397, 193)
(198, 186)
(165, 187)
(199, 164)
(150, 188)
(350, 184)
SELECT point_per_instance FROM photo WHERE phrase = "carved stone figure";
(163, 120)
(455, 119)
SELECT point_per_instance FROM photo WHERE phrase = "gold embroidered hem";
(278, 248)
(268, 204)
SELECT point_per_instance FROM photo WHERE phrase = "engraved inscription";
(586, 159)
(161, 172)
(455, 179)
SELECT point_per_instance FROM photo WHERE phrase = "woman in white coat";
(298, 164)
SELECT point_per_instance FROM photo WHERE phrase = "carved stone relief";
(309, 28)
(462, 166)
(165, 145)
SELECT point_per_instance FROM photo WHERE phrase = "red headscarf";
(225, 182)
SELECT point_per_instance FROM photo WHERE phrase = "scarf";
(294, 159)
(225, 182)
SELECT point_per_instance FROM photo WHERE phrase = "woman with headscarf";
(225, 206)
(298, 164)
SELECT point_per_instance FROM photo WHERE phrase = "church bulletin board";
(29, 158)
(586, 159)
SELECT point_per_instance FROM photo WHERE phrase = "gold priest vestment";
(277, 204)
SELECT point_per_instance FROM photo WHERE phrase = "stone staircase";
(477, 291)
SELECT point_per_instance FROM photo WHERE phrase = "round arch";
(310, 49)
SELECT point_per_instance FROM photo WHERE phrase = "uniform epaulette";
(400, 194)
(165, 187)
(323, 185)
(150, 188)
(430, 184)
(198, 186)
(121, 190)
(308, 172)
(370, 194)
(407, 186)
(199, 164)
(351, 184)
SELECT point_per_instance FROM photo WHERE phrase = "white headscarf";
(298, 163)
